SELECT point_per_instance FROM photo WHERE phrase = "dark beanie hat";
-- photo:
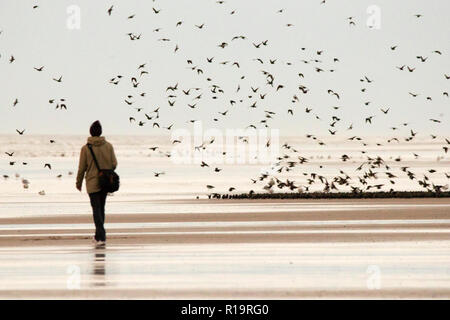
(96, 129)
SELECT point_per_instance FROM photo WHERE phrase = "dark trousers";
(98, 200)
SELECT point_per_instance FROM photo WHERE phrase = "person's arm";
(113, 157)
(82, 167)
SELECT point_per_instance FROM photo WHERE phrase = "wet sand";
(381, 248)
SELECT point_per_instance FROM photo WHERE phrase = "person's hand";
(79, 188)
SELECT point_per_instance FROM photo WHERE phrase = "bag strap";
(93, 156)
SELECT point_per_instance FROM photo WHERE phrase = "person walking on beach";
(87, 168)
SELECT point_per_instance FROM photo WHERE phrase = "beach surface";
(214, 249)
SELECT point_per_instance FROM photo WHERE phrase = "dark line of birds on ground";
(252, 100)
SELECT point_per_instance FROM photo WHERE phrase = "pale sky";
(87, 58)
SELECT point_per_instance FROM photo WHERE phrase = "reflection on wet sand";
(375, 249)
(417, 269)
(99, 266)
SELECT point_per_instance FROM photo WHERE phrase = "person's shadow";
(99, 267)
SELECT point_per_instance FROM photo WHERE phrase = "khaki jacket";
(106, 158)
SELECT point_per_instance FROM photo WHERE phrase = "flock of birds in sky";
(253, 97)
